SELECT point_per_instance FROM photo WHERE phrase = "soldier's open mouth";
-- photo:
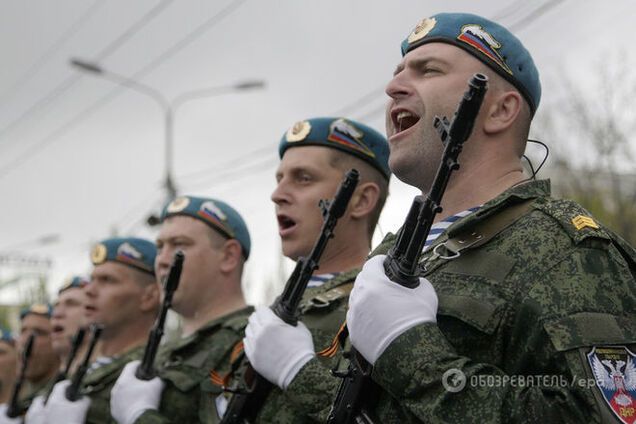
(58, 329)
(285, 223)
(403, 120)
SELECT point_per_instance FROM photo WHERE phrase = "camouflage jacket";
(309, 396)
(98, 383)
(520, 322)
(185, 365)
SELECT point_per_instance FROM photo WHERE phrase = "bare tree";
(591, 130)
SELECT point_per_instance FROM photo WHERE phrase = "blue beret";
(76, 281)
(487, 41)
(43, 309)
(217, 214)
(343, 134)
(6, 336)
(135, 252)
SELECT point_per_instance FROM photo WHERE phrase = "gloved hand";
(35, 414)
(3, 416)
(276, 349)
(380, 310)
(59, 410)
(130, 396)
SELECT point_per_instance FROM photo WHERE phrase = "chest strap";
(326, 298)
(482, 232)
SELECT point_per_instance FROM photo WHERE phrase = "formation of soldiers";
(516, 307)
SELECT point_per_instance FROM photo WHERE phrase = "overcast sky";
(82, 157)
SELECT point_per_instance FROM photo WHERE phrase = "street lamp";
(43, 240)
(169, 109)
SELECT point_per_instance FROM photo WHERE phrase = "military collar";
(234, 320)
(115, 366)
(338, 280)
(516, 194)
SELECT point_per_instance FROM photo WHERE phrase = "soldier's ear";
(364, 199)
(231, 255)
(502, 111)
(150, 297)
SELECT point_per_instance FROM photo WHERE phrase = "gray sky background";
(82, 157)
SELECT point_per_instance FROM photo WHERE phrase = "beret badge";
(178, 204)
(39, 308)
(99, 254)
(298, 132)
(424, 27)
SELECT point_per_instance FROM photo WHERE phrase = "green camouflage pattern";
(532, 301)
(185, 365)
(309, 396)
(98, 383)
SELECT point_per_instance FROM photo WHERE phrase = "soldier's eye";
(429, 71)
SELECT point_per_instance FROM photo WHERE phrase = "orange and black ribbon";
(235, 360)
(338, 340)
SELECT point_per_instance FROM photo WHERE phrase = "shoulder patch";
(614, 370)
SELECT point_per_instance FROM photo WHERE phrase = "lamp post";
(169, 109)
(43, 240)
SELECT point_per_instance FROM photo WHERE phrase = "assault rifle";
(146, 370)
(245, 404)
(14, 409)
(72, 391)
(357, 391)
(78, 338)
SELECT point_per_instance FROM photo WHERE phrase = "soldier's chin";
(290, 250)
(60, 349)
(178, 303)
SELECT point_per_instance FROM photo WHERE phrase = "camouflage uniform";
(98, 383)
(309, 396)
(185, 365)
(533, 301)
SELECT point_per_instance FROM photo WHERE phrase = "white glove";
(35, 414)
(3, 416)
(276, 349)
(130, 396)
(380, 310)
(59, 410)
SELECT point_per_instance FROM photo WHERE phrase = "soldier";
(534, 322)
(8, 367)
(210, 302)
(315, 155)
(123, 297)
(69, 315)
(43, 363)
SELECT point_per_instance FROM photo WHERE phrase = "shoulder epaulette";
(574, 219)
